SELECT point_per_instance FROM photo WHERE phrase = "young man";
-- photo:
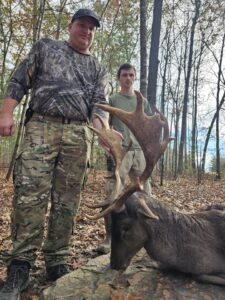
(134, 162)
(65, 82)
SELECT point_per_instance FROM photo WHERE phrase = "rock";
(141, 281)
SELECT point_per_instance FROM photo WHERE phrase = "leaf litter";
(183, 194)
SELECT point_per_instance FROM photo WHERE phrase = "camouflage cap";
(85, 12)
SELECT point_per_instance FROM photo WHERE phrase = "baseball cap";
(85, 12)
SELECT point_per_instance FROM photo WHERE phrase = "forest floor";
(184, 195)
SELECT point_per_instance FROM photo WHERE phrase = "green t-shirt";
(127, 103)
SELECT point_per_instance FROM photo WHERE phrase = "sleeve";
(101, 93)
(22, 79)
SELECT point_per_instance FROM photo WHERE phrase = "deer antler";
(114, 142)
(147, 130)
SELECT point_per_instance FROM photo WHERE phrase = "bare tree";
(38, 12)
(186, 89)
(154, 50)
(167, 56)
(218, 171)
(143, 48)
(219, 103)
(210, 130)
(198, 61)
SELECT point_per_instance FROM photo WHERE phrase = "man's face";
(126, 78)
(82, 32)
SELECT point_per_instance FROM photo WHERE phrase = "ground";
(183, 195)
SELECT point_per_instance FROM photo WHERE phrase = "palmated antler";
(147, 130)
(113, 141)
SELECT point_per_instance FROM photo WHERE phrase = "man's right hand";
(7, 125)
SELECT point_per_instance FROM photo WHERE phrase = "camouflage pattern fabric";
(63, 82)
(132, 165)
(50, 166)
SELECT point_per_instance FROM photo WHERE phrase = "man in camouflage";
(65, 81)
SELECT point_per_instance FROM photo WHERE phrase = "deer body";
(190, 243)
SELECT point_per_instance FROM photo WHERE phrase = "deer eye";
(125, 231)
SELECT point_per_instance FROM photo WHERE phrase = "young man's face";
(82, 32)
(127, 78)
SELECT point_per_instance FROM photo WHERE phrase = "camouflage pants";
(133, 165)
(50, 166)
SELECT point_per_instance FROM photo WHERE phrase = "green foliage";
(116, 43)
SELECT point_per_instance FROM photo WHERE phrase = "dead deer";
(190, 243)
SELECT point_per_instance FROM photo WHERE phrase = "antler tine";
(146, 129)
(112, 140)
(118, 203)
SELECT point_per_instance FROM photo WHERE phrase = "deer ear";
(145, 210)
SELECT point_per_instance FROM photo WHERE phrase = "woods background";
(177, 47)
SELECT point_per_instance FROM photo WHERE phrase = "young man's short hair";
(125, 66)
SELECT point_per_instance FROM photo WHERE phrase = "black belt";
(61, 120)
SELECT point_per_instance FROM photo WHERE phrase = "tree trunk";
(154, 50)
(59, 18)
(38, 11)
(166, 58)
(195, 108)
(209, 132)
(186, 90)
(215, 117)
(218, 171)
(143, 48)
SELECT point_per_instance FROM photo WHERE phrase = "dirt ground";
(183, 195)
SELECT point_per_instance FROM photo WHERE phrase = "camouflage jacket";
(63, 82)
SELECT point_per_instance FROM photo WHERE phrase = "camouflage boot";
(16, 281)
(55, 272)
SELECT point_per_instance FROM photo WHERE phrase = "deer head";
(147, 130)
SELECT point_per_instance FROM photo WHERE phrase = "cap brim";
(97, 23)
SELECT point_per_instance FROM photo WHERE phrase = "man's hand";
(105, 146)
(7, 125)
(98, 125)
